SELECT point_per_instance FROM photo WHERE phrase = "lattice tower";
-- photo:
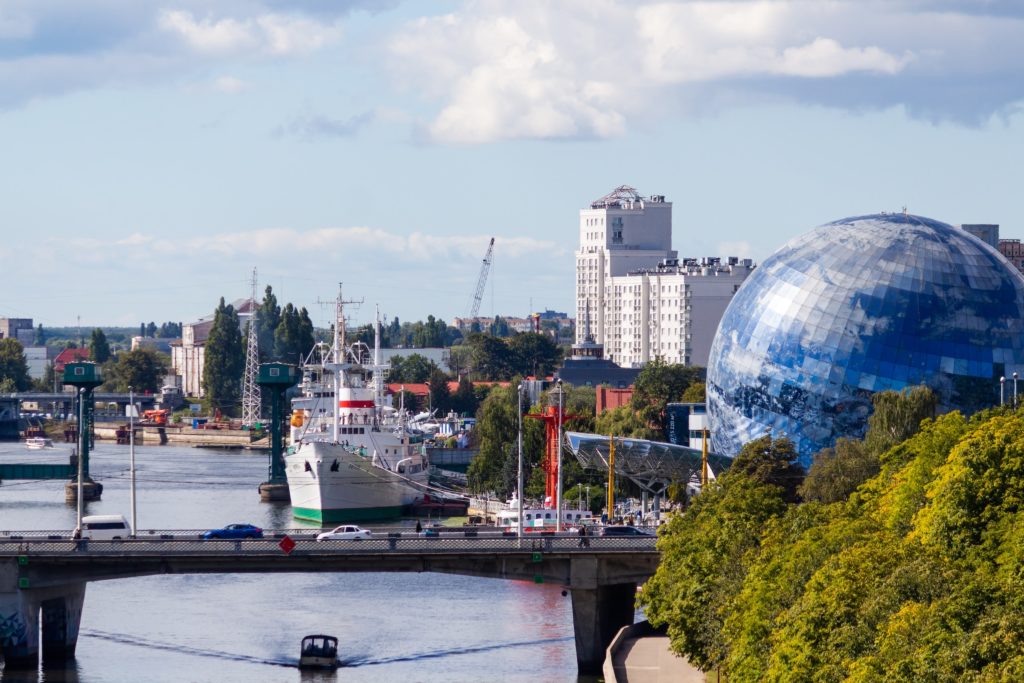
(251, 390)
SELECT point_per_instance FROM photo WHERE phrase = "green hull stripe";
(347, 515)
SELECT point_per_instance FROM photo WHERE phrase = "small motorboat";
(319, 652)
(38, 443)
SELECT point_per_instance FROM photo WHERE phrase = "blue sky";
(153, 153)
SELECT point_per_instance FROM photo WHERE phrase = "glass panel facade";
(857, 306)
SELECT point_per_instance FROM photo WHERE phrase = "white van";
(105, 527)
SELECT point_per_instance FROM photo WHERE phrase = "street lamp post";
(82, 446)
(519, 496)
(558, 493)
(1002, 390)
(131, 455)
(1015, 391)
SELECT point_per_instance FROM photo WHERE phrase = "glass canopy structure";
(651, 465)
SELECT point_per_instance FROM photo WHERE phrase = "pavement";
(641, 655)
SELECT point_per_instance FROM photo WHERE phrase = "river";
(247, 627)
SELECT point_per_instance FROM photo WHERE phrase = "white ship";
(352, 456)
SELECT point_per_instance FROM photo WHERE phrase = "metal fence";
(188, 542)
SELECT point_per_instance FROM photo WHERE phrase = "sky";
(152, 154)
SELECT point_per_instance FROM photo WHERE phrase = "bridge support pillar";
(598, 612)
(59, 607)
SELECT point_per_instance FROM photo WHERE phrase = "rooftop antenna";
(251, 390)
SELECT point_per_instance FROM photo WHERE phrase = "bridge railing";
(166, 544)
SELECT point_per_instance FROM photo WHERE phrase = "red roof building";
(69, 356)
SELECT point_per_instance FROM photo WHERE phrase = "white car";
(345, 532)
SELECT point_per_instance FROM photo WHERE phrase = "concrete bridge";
(43, 576)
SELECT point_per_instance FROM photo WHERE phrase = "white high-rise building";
(641, 300)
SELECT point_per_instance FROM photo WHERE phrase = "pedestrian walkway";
(639, 654)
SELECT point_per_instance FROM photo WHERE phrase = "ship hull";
(329, 483)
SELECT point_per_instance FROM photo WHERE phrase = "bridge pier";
(59, 607)
(598, 612)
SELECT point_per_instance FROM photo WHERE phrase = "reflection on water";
(248, 627)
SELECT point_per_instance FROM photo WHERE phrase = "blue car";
(235, 531)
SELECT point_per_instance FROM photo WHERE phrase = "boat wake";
(126, 639)
(418, 656)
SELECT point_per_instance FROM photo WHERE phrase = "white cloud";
(513, 69)
(414, 247)
(272, 34)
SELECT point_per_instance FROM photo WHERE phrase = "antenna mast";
(251, 390)
(482, 281)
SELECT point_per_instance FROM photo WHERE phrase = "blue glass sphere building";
(859, 306)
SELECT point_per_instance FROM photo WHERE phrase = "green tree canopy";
(224, 360)
(142, 369)
(914, 576)
(99, 349)
(268, 317)
(411, 369)
(13, 365)
(534, 354)
(623, 421)
(496, 465)
(659, 384)
(293, 338)
(440, 396)
(771, 461)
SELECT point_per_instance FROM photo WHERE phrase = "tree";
(490, 358)
(897, 416)
(836, 472)
(695, 393)
(411, 369)
(771, 461)
(495, 467)
(13, 365)
(705, 556)
(440, 398)
(499, 328)
(40, 336)
(99, 349)
(623, 421)
(534, 354)
(268, 317)
(464, 400)
(659, 384)
(142, 369)
(169, 330)
(150, 330)
(224, 360)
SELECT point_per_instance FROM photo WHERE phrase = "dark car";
(235, 531)
(624, 531)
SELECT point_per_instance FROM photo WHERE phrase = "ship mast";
(378, 369)
(336, 351)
